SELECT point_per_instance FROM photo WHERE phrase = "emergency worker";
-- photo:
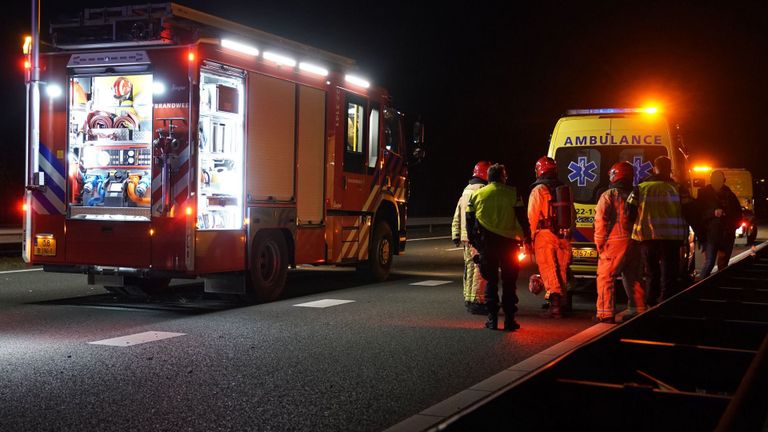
(493, 228)
(720, 216)
(660, 228)
(551, 223)
(474, 284)
(619, 255)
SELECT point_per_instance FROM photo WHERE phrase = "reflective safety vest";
(459, 224)
(494, 208)
(659, 212)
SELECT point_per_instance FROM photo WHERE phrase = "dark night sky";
(491, 81)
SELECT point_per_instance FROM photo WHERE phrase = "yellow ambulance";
(586, 143)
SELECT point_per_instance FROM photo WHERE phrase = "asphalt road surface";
(388, 352)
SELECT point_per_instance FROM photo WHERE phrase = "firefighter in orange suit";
(551, 235)
(619, 254)
(474, 284)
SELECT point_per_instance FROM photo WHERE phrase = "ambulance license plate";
(45, 245)
(584, 253)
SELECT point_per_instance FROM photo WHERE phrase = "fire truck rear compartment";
(108, 243)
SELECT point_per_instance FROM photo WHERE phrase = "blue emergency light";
(597, 111)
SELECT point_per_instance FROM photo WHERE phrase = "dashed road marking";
(138, 338)
(431, 283)
(324, 303)
(454, 249)
(20, 271)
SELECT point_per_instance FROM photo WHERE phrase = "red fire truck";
(176, 144)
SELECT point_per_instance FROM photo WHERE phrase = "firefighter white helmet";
(535, 284)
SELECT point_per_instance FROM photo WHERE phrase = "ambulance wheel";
(380, 254)
(752, 236)
(268, 267)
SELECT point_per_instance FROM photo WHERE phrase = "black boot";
(493, 321)
(478, 308)
(510, 324)
(555, 308)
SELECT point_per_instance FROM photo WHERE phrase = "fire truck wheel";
(380, 252)
(268, 266)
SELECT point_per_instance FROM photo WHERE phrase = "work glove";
(457, 242)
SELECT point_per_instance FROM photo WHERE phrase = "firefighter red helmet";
(621, 171)
(481, 170)
(544, 165)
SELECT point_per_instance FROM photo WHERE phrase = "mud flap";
(225, 283)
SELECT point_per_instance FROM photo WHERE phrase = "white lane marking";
(138, 338)
(431, 283)
(324, 303)
(454, 249)
(20, 271)
(429, 238)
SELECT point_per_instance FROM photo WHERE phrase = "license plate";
(584, 253)
(45, 245)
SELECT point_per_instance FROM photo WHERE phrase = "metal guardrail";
(698, 361)
(10, 235)
(428, 221)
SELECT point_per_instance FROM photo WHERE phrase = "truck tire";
(752, 236)
(268, 267)
(380, 253)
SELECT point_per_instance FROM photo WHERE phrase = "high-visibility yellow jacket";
(659, 211)
(494, 208)
(459, 224)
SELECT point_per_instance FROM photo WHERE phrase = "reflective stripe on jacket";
(612, 220)
(494, 208)
(459, 224)
(538, 206)
(659, 212)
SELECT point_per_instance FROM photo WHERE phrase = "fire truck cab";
(175, 144)
(587, 142)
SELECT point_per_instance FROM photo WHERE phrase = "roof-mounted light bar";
(598, 111)
(357, 81)
(313, 69)
(279, 59)
(239, 47)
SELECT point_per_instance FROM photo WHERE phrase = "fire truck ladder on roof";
(698, 361)
(167, 23)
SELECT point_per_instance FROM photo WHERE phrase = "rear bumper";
(94, 272)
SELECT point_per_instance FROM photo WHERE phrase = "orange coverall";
(619, 255)
(552, 252)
